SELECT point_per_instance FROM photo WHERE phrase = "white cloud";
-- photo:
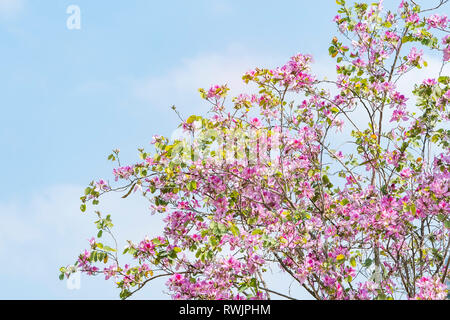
(180, 85)
(11, 8)
(220, 7)
(48, 231)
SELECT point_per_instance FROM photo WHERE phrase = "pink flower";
(350, 180)
(447, 95)
(399, 98)
(389, 35)
(437, 21)
(399, 114)
(150, 161)
(147, 246)
(447, 54)
(414, 18)
(123, 172)
(155, 139)
(430, 289)
(102, 185)
(110, 271)
(446, 39)
(177, 279)
(429, 82)
(92, 242)
(415, 56)
(406, 173)
(217, 91)
(359, 63)
(256, 122)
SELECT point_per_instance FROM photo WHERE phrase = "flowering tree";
(262, 185)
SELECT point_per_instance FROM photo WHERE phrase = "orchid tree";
(264, 181)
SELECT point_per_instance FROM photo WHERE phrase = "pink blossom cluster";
(277, 188)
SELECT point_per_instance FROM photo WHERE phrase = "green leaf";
(443, 79)
(191, 119)
(235, 230)
(368, 262)
(124, 294)
(213, 240)
(222, 228)
(192, 185)
(252, 220)
(83, 207)
(413, 209)
(435, 138)
(257, 231)
(107, 248)
(381, 296)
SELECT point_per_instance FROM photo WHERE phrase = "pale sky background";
(68, 97)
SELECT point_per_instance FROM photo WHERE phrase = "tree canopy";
(264, 181)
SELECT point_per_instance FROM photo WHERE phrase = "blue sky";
(68, 97)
